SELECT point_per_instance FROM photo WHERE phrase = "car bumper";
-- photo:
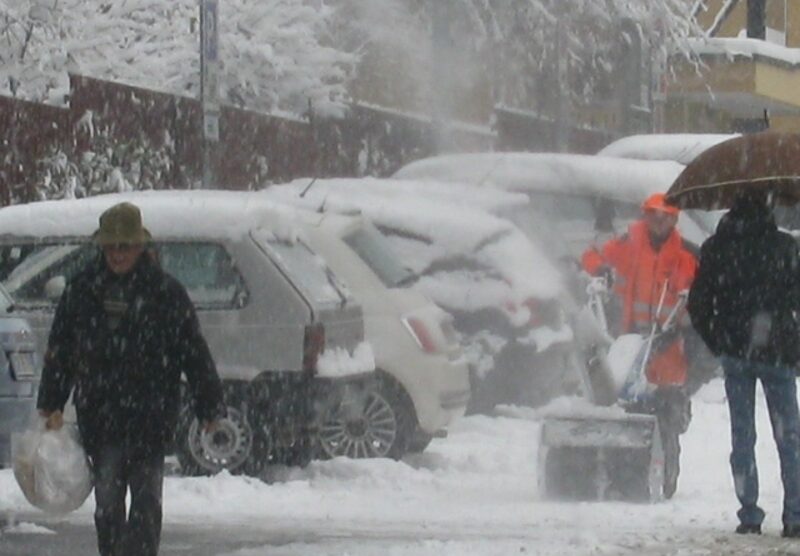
(445, 395)
(15, 416)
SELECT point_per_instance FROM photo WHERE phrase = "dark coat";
(127, 381)
(749, 273)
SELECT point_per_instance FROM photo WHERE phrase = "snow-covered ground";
(476, 493)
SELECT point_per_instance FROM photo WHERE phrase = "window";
(42, 270)
(207, 272)
(205, 269)
(375, 251)
(307, 269)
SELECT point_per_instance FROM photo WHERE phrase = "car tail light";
(421, 334)
(313, 344)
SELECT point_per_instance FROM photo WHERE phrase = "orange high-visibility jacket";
(640, 276)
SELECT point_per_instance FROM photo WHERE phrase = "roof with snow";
(746, 47)
(431, 221)
(630, 180)
(166, 214)
(678, 147)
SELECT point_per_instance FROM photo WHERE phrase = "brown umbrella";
(768, 161)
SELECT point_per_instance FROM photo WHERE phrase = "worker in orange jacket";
(648, 263)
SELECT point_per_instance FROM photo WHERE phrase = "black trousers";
(672, 407)
(116, 469)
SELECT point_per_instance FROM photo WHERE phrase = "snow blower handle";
(597, 291)
(654, 329)
(672, 318)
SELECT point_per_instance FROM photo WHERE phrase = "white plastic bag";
(51, 468)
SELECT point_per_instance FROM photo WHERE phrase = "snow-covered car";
(503, 292)
(678, 147)
(422, 376)
(19, 375)
(575, 199)
(287, 336)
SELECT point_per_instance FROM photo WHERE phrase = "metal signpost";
(209, 83)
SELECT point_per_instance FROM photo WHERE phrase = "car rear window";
(205, 269)
(377, 253)
(308, 270)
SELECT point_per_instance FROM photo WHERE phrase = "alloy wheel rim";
(371, 434)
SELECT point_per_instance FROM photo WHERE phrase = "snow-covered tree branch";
(273, 57)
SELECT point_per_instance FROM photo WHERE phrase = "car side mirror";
(54, 287)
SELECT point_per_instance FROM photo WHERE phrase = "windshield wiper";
(332, 281)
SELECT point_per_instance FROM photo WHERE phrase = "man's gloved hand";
(607, 273)
(664, 339)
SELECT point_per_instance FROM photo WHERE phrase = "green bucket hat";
(121, 224)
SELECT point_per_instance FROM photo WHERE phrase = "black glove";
(662, 340)
(607, 273)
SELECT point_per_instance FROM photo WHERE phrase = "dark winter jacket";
(127, 380)
(747, 289)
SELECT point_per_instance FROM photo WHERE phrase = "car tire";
(381, 428)
(229, 447)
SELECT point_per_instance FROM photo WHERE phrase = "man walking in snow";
(744, 303)
(652, 268)
(123, 333)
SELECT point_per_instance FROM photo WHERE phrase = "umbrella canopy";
(768, 161)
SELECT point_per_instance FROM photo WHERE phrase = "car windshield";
(539, 228)
(205, 269)
(567, 207)
(376, 252)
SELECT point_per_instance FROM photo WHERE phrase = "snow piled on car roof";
(624, 179)
(430, 222)
(165, 214)
(678, 147)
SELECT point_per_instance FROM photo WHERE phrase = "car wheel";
(227, 447)
(380, 425)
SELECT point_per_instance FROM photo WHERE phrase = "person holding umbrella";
(743, 304)
(652, 269)
(745, 299)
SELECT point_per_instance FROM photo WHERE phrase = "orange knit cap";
(657, 202)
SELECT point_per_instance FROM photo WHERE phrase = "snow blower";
(590, 452)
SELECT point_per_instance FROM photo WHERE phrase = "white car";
(679, 147)
(504, 293)
(286, 335)
(423, 377)
(575, 200)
